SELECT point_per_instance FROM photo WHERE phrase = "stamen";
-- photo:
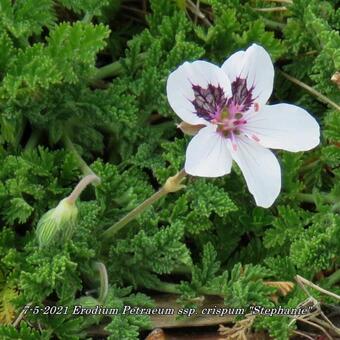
(256, 139)
(227, 114)
(240, 122)
(256, 107)
(233, 141)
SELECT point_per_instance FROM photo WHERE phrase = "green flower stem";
(33, 140)
(104, 281)
(86, 170)
(311, 90)
(172, 184)
(270, 9)
(114, 69)
(311, 198)
(87, 17)
(84, 182)
(333, 279)
(336, 207)
(273, 24)
(20, 128)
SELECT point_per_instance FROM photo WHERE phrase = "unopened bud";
(58, 223)
(189, 129)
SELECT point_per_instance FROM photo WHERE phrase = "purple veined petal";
(260, 169)
(256, 67)
(180, 90)
(207, 154)
(283, 126)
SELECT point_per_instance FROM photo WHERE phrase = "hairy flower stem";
(271, 9)
(80, 187)
(333, 279)
(116, 68)
(273, 24)
(172, 184)
(104, 281)
(311, 198)
(87, 17)
(85, 169)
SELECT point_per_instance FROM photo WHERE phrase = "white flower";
(230, 102)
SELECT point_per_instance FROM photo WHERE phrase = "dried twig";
(327, 324)
(312, 318)
(303, 334)
(240, 329)
(21, 315)
(316, 326)
(302, 281)
(196, 10)
(281, 1)
(271, 9)
(311, 90)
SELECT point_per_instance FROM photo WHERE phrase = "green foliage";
(288, 225)
(88, 79)
(24, 18)
(90, 7)
(311, 28)
(241, 286)
(75, 47)
(127, 326)
(320, 238)
(25, 332)
(32, 182)
(158, 253)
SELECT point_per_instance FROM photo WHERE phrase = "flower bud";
(58, 223)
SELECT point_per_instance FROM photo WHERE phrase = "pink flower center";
(212, 105)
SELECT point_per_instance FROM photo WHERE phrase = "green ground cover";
(83, 90)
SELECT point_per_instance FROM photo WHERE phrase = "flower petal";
(283, 126)
(260, 168)
(207, 154)
(254, 65)
(180, 92)
(233, 65)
